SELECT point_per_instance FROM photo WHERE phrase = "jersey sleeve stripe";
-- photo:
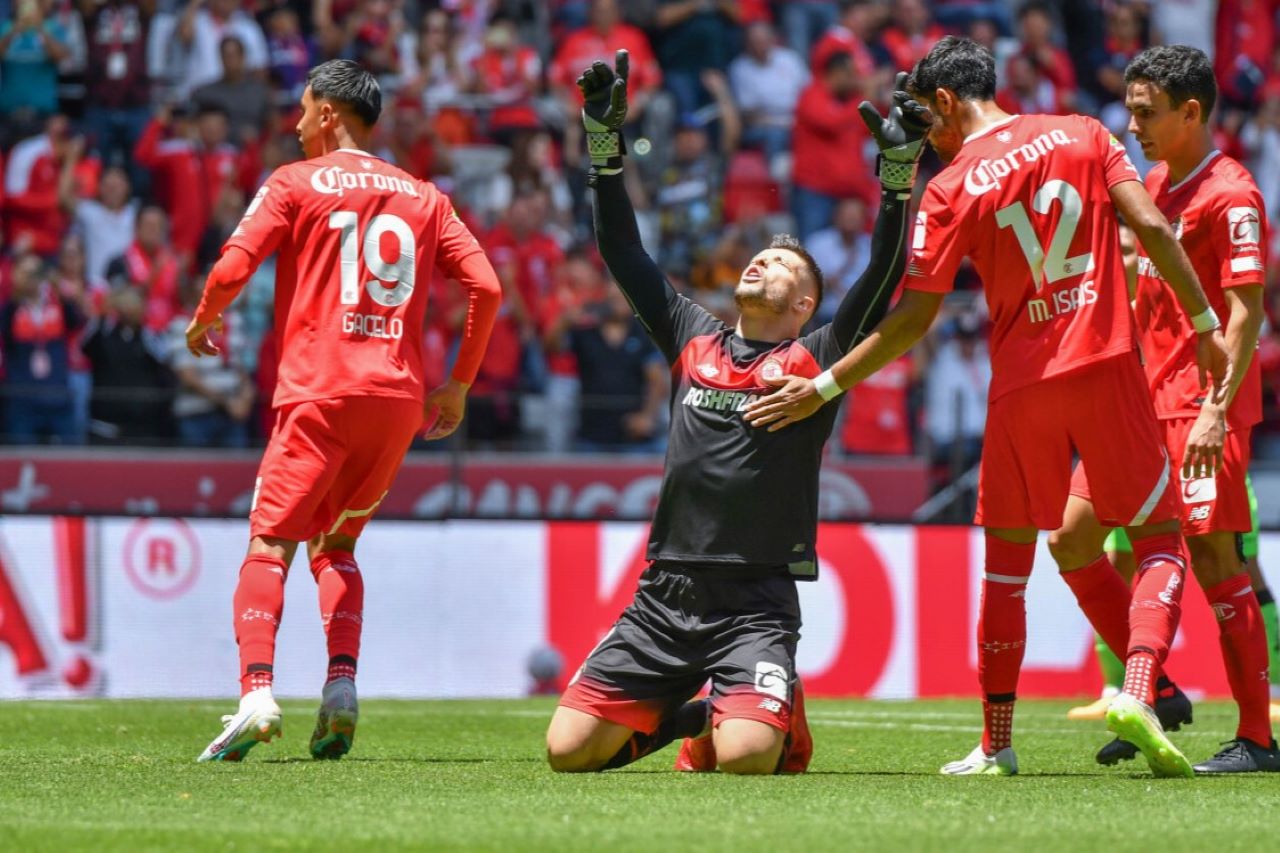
(1246, 265)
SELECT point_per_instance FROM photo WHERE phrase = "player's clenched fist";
(604, 110)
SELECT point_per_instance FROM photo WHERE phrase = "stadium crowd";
(134, 133)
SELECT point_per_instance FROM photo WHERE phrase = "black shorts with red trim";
(734, 626)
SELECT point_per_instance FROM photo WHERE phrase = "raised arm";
(604, 111)
(900, 137)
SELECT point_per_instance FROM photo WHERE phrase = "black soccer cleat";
(1242, 756)
(1173, 711)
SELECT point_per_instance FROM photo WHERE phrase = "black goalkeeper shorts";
(735, 626)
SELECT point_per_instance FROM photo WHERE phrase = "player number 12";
(1053, 265)
(399, 273)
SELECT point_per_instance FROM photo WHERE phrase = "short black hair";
(1182, 71)
(959, 64)
(793, 244)
(344, 82)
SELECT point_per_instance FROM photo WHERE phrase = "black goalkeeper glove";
(604, 110)
(900, 136)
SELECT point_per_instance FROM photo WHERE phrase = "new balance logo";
(773, 706)
(1199, 513)
(1223, 611)
(1171, 589)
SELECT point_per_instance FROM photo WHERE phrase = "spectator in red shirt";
(911, 34)
(34, 217)
(510, 75)
(37, 326)
(412, 143)
(1035, 19)
(605, 34)
(828, 143)
(876, 420)
(1028, 91)
(579, 283)
(189, 170)
(525, 253)
(1242, 48)
(152, 268)
(851, 34)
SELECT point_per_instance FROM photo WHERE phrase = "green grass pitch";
(116, 775)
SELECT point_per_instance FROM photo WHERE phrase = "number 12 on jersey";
(1054, 265)
(392, 283)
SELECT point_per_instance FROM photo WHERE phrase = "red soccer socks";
(258, 605)
(1002, 636)
(1155, 610)
(1244, 651)
(340, 587)
(1103, 596)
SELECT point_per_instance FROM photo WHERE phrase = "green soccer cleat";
(978, 763)
(1134, 721)
(336, 720)
(257, 721)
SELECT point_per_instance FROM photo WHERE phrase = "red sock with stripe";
(1243, 638)
(341, 592)
(1155, 610)
(1103, 596)
(258, 606)
(1002, 636)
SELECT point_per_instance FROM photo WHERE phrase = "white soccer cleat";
(257, 721)
(978, 763)
(336, 719)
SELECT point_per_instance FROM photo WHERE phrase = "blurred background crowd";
(134, 131)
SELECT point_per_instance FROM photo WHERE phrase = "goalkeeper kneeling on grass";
(737, 516)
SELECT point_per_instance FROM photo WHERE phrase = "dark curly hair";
(959, 64)
(1183, 72)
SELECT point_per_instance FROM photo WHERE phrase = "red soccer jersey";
(1220, 219)
(1028, 202)
(358, 239)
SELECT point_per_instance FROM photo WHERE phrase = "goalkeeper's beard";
(756, 298)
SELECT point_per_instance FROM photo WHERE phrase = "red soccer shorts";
(643, 715)
(1101, 412)
(328, 465)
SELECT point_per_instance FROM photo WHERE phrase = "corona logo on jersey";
(335, 180)
(986, 176)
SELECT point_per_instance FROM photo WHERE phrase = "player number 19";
(1053, 265)
(400, 273)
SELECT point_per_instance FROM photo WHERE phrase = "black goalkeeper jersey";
(733, 493)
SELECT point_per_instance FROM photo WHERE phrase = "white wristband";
(825, 384)
(1205, 321)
